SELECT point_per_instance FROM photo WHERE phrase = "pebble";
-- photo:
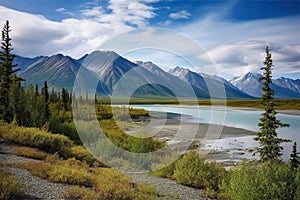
(37, 188)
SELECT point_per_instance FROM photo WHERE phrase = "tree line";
(33, 107)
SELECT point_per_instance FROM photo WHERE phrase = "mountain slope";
(125, 78)
(178, 84)
(291, 84)
(251, 85)
(59, 71)
(216, 86)
(24, 62)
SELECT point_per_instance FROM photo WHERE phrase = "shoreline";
(184, 135)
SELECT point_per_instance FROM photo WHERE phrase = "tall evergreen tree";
(295, 159)
(31, 106)
(45, 94)
(65, 99)
(17, 101)
(270, 144)
(53, 96)
(6, 72)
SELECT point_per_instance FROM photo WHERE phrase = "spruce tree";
(270, 148)
(64, 99)
(17, 101)
(45, 94)
(6, 72)
(295, 159)
(31, 106)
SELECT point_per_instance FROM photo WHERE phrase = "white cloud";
(64, 11)
(60, 10)
(239, 58)
(93, 12)
(165, 23)
(35, 35)
(180, 15)
(238, 47)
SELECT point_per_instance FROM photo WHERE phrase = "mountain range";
(116, 75)
(285, 88)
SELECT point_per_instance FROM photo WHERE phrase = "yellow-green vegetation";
(47, 142)
(30, 153)
(35, 137)
(286, 104)
(89, 183)
(191, 170)
(253, 180)
(83, 193)
(69, 171)
(10, 188)
(279, 104)
(268, 181)
(107, 112)
(127, 142)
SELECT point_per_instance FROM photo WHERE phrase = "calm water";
(239, 118)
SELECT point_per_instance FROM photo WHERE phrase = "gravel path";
(169, 187)
(37, 188)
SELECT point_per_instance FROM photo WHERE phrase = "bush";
(127, 142)
(66, 128)
(269, 181)
(37, 138)
(76, 192)
(113, 185)
(193, 171)
(10, 188)
(102, 183)
(82, 154)
(30, 153)
(70, 171)
(166, 172)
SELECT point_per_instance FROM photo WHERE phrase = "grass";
(29, 152)
(279, 104)
(69, 171)
(78, 169)
(45, 142)
(89, 183)
(10, 188)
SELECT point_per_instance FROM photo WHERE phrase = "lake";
(233, 117)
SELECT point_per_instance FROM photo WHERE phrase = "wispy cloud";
(64, 11)
(238, 47)
(93, 12)
(35, 35)
(180, 15)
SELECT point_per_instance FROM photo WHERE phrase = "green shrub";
(37, 138)
(193, 171)
(30, 153)
(113, 185)
(102, 183)
(76, 192)
(66, 128)
(165, 172)
(82, 154)
(127, 142)
(10, 188)
(68, 171)
(269, 181)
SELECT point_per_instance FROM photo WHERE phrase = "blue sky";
(233, 33)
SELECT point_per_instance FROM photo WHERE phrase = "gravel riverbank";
(37, 188)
